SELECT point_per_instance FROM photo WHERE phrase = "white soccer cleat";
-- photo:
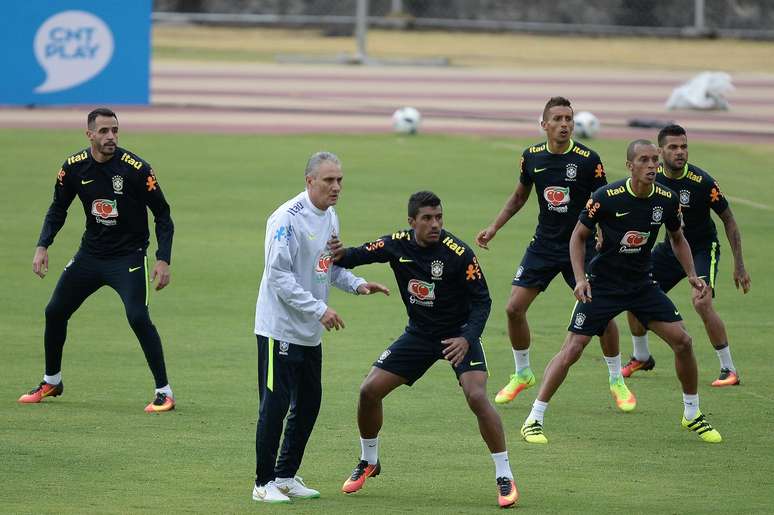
(269, 493)
(295, 487)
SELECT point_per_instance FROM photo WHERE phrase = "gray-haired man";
(289, 318)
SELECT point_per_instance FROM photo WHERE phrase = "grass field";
(93, 450)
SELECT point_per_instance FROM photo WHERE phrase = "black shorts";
(667, 270)
(541, 263)
(648, 303)
(411, 355)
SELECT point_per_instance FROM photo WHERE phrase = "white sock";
(369, 450)
(167, 390)
(724, 355)
(57, 378)
(641, 350)
(691, 406)
(521, 357)
(614, 366)
(502, 467)
(538, 410)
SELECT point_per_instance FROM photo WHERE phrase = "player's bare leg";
(491, 428)
(679, 340)
(677, 337)
(518, 332)
(489, 424)
(716, 331)
(559, 366)
(624, 399)
(553, 377)
(376, 386)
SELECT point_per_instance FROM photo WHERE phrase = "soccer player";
(629, 213)
(698, 193)
(564, 173)
(290, 315)
(116, 187)
(447, 300)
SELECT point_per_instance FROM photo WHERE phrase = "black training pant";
(289, 376)
(85, 274)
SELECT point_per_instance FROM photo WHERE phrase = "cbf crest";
(685, 198)
(572, 171)
(658, 214)
(283, 348)
(436, 270)
(118, 185)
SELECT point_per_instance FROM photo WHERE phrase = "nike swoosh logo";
(538, 170)
(135, 268)
(677, 313)
(86, 182)
(312, 236)
(404, 260)
(474, 363)
(619, 215)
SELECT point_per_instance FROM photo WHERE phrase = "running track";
(275, 98)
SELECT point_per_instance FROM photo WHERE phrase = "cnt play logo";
(72, 47)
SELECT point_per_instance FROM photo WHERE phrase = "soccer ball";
(406, 120)
(586, 125)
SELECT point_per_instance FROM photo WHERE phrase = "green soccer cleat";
(704, 429)
(518, 383)
(624, 399)
(532, 432)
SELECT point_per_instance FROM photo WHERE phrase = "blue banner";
(75, 52)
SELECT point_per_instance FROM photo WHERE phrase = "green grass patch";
(93, 450)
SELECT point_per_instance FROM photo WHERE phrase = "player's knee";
(138, 318)
(571, 353)
(683, 344)
(56, 312)
(477, 400)
(703, 306)
(368, 393)
(516, 311)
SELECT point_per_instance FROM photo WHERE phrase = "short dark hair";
(630, 150)
(670, 130)
(553, 102)
(422, 199)
(100, 111)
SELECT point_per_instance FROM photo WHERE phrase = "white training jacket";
(298, 272)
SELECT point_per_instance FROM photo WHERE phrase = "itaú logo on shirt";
(633, 241)
(557, 198)
(421, 293)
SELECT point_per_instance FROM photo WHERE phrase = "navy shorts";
(648, 303)
(667, 270)
(411, 355)
(541, 263)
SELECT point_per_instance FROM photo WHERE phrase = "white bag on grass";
(705, 91)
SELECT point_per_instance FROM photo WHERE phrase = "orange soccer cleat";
(727, 377)
(43, 390)
(161, 403)
(634, 365)
(363, 471)
(507, 493)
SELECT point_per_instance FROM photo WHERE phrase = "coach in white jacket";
(290, 315)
